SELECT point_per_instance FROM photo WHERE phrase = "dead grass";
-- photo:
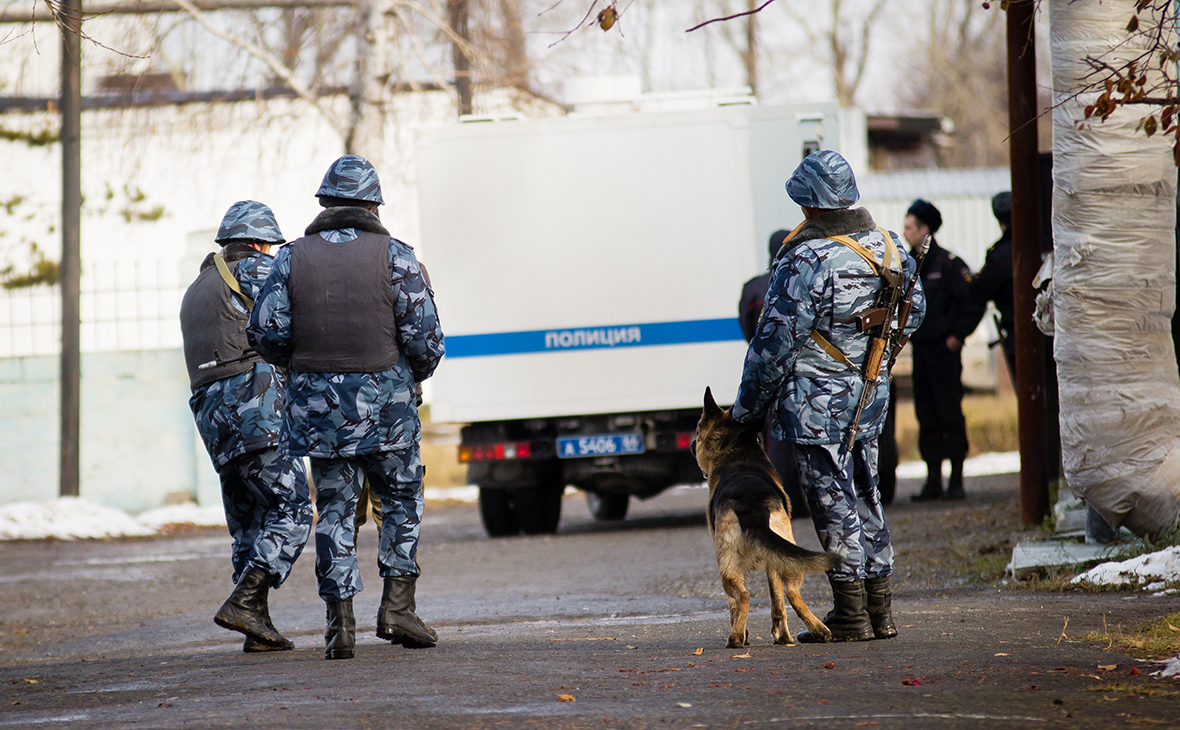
(991, 425)
(440, 453)
(1155, 639)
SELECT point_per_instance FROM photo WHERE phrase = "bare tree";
(959, 69)
(844, 30)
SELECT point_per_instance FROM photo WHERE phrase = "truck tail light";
(496, 452)
(684, 440)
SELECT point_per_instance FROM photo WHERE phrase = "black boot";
(849, 618)
(932, 489)
(340, 634)
(396, 620)
(954, 487)
(880, 607)
(252, 645)
(245, 610)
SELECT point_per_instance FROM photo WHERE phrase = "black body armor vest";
(213, 329)
(342, 305)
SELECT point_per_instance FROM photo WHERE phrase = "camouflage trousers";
(395, 477)
(267, 510)
(846, 507)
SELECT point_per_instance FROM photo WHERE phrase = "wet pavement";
(603, 625)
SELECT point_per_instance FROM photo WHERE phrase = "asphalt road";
(601, 626)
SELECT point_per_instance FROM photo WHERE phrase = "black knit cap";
(926, 214)
(1002, 207)
(776, 241)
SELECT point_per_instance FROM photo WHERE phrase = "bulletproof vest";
(342, 305)
(213, 329)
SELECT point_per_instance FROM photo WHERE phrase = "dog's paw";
(736, 643)
(784, 640)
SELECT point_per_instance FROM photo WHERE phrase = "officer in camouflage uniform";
(350, 311)
(804, 368)
(238, 404)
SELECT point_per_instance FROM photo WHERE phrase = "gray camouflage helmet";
(249, 220)
(351, 177)
(823, 180)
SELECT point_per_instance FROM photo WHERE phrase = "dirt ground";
(600, 626)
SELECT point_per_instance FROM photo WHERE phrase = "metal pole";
(1026, 259)
(459, 16)
(71, 213)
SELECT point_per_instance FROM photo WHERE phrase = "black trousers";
(938, 402)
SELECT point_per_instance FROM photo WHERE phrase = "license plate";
(574, 447)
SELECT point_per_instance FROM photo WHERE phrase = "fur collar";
(231, 252)
(332, 219)
(834, 223)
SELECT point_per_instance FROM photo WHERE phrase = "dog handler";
(238, 405)
(804, 367)
(351, 311)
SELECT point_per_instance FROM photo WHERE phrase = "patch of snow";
(67, 518)
(187, 513)
(469, 493)
(1006, 462)
(1152, 571)
(1171, 669)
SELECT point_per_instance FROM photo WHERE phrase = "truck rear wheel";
(608, 506)
(538, 509)
(497, 512)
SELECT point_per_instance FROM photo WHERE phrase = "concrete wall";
(139, 447)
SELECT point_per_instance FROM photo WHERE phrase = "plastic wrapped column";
(1114, 288)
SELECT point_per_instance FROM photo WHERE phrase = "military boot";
(880, 607)
(340, 634)
(252, 645)
(932, 489)
(849, 618)
(396, 620)
(954, 487)
(245, 610)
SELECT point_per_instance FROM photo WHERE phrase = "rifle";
(884, 338)
(247, 354)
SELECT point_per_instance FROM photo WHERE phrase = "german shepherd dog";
(750, 520)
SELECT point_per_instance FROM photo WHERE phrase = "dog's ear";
(712, 410)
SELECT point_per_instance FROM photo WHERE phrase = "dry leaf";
(31, 681)
(698, 652)
(566, 698)
(830, 665)
(1173, 628)
(1001, 654)
(742, 656)
(684, 704)
(1107, 667)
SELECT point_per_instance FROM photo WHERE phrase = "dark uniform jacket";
(946, 280)
(994, 284)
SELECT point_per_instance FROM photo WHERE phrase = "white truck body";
(593, 264)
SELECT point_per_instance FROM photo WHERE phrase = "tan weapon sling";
(883, 269)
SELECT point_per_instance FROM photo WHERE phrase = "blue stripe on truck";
(594, 338)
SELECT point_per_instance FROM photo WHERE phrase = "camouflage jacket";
(334, 415)
(819, 284)
(244, 412)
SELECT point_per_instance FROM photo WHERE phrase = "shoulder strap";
(230, 281)
(831, 349)
(891, 254)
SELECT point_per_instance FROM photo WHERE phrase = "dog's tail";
(784, 555)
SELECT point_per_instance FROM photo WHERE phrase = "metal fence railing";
(125, 305)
